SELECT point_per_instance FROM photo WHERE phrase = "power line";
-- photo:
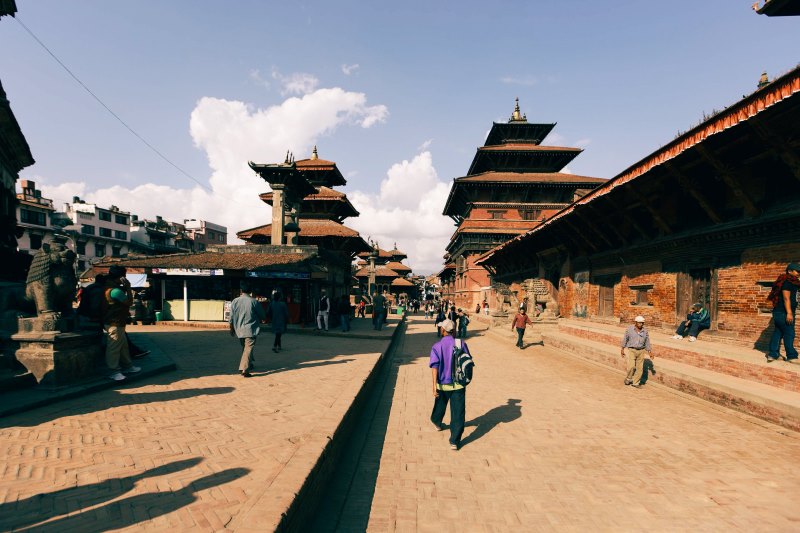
(113, 114)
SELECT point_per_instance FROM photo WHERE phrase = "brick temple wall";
(743, 315)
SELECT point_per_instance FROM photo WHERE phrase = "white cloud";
(408, 211)
(232, 133)
(527, 81)
(296, 83)
(583, 143)
(426, 145)
(255, 75)
(349, 69)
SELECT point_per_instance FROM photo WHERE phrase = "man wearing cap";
(246, 316)
(116, 313)
(444, 389)
(784, 306)
(635, 343)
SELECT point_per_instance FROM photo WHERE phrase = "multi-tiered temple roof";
(321, 208)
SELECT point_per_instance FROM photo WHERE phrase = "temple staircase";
(737, 377)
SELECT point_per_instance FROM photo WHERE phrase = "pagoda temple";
(386, 270)
(513, 184)
(313, 211)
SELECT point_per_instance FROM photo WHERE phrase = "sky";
(398, 94)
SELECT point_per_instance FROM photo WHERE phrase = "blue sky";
(398, 94)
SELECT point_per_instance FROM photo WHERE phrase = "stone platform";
(734, 376)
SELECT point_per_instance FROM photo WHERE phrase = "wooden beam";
(653, 212)
(629, 218)
(779, 145)
(592, 207)
(577, 231)
(730, 178)
(592, 225)
(687, 184)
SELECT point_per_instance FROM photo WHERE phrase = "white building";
(204, 233)
(34, 215)
(97, 232)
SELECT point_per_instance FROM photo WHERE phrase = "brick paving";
(555, 443)
(200, 448)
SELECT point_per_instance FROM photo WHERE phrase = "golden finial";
(314, 154)
(763, 80)
(517, 116)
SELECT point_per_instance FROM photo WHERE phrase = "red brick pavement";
(197, 449)
(554, 443)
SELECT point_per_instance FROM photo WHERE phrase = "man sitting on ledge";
(696, 321)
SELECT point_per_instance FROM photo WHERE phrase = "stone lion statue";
(51, 279)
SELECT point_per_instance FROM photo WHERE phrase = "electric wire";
(117, 117)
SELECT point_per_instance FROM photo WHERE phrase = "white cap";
(639, 318)
(446, 325)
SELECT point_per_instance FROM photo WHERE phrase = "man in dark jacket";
(784, 302)
(116, 313)
(697, 320)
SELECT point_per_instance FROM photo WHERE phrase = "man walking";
(520, 321)
(344, 313)
(378, 310)
(324, 311)
(445, 390)
(635, 343)
(784, 306)
(116, 313)
(246, 316)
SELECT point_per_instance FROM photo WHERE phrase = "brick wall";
(743, 315)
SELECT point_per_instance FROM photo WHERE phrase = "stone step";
(736, 361)
(773, 404)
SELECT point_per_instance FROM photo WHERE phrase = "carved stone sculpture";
(51, 280)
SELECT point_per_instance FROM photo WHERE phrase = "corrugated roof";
(210, 260)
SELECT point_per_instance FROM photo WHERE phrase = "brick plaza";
(553, 443)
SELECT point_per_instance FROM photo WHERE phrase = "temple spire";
(517, 116)
(314, 154)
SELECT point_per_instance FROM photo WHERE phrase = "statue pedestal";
(56, 358)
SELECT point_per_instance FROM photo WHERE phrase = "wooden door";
(606, 301)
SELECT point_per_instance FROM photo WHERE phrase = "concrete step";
(776, 405)
(736, 361)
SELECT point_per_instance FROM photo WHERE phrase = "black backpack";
(462, 365)
(92, 300)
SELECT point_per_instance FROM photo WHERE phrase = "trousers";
(117, 352)
(457, 400)
(634, 359)
(782, 331)
(247, 361)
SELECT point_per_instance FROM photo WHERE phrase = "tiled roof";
(210, 260)
(529, 177)
(309, 227)
(401, 282)
(525, 147)
(380, 271)
(310, 164)
(381, 254)
(398, 267)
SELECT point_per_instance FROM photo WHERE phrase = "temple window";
(640, 296)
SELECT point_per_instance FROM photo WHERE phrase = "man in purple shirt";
(634, 344)
(444, 389)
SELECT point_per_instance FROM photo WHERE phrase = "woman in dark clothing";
(280, 318)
